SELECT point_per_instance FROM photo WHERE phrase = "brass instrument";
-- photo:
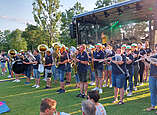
(55, 53)
(12, 53)
(73, 55)
(42, 49)
(58, 59)
(92, 62)
(30, 57)
(74, 63)
(108, 52)
(151, 59)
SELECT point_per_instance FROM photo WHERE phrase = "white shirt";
(100, 110)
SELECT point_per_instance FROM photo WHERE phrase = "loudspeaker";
(72, 28)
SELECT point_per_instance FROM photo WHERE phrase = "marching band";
(120, 65)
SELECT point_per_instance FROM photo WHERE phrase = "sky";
(17, 13)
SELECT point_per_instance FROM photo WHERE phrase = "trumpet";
(42, 49)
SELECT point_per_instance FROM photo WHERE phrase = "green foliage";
(16, 41)
(102, 3)
(47, 16)
(66, 20)
(138, 30)
(34, 36)
(4, 39)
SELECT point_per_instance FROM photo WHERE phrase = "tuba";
(42, 48)
(12, 52)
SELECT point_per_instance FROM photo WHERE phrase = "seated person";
(94, 97)
(88, 108)
(48, 107)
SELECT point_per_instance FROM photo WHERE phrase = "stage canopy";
(89, 26)
(125, 12)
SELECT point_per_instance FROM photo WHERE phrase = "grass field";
(25, 100)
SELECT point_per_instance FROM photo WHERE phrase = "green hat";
(124, 45)
(99, 44)
(128, 47)
(134, 44)
(91, 47)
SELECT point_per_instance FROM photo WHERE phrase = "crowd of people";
(123, 67)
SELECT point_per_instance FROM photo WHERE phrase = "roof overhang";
(125, 12)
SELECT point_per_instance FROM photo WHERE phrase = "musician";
(91, 66)
(9, 66)
(147, 65)
(3, 62)
(153, 83)
(48, 68)
(141, 63)
(82, 59)
(108, 52)
(130, 69)
(17, 67)
(118, 74)
(135, 64)
(75, 69)
(28, 66)
(62, 60)
(54, 69)
(68, 67)
(98, 67)
(36, 73)
(123, 47)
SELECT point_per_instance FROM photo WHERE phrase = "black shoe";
(62, 91)
(58, 90)
(79, 95)
(67, 83)
(83, 96)
(47, 87)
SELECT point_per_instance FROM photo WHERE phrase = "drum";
(18, 67)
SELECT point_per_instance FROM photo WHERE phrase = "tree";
(135, 32)
(66, 20)
(34, 36)
(47, 16)
(4, 40)
(104, 3)
(16, 41)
